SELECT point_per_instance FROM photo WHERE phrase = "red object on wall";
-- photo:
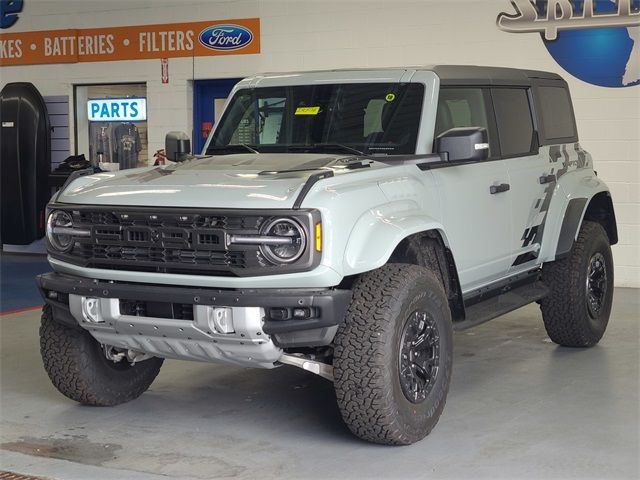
(160, 157)
(164, 70)
(205, 128)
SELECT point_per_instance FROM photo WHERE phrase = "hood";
(265, 180)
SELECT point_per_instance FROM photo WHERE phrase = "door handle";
(503, 187)
(547, 179)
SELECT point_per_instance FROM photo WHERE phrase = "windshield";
(368, 118)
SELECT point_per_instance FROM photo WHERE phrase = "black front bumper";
(326, 307)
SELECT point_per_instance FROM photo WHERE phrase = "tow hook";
(117, 355)
(323, 369)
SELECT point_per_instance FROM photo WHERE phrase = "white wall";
(302, 35)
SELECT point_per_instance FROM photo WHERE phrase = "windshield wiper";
(233, 148)
(327, 147)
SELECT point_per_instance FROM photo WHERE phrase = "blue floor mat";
(17, 280)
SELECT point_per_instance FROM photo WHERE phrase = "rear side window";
(556, 112)
(462, 107)
(514, 120)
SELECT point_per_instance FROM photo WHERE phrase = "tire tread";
(563, 310)
(69, 359)
(362, 378)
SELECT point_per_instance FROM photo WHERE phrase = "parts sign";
(223, 37)
(117, 110)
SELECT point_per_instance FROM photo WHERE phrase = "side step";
(500, 304)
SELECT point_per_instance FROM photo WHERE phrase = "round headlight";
(285, 252)
(58, 218)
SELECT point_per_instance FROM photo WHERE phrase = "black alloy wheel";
(596, 284)
(419, 356)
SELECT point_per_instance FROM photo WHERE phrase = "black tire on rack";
(78, 368)
(576, 312)
(393, 355)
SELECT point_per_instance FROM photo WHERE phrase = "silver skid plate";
(230, 335)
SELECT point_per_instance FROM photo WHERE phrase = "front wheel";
(79, 368)
(576, 312)
(393, 355)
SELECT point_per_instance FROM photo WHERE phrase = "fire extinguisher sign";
(164, 70)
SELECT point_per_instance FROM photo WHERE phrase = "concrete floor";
(519, 407)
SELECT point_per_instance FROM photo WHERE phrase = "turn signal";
(318, 237)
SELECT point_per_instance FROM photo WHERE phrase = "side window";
(513, 117)
(462, 107)
(556, 113)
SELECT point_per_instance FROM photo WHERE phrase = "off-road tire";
(367, 349)
(565, 310)
(79, 369)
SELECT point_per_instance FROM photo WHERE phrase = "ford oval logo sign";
(225, 37)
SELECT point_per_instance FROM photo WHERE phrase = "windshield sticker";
(307, 110)
(390, 97)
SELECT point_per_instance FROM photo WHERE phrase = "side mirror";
(177, 146)
(464, 144)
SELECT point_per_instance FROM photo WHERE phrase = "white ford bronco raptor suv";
(344, 222)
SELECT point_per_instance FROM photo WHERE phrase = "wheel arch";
(429, 249)
(598, 209)
(409, 238)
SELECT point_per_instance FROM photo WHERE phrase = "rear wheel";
(79, 368)
(393, 355)
(576, 312)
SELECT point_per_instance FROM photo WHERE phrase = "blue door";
(207, 96)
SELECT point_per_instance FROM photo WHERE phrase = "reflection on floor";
(17, 285)
(519, 407)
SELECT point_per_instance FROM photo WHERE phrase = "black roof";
(477, 75)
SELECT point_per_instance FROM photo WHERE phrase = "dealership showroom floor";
(519, 407)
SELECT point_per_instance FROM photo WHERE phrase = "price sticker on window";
(307, 110)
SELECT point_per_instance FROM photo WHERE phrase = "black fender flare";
(599, 208)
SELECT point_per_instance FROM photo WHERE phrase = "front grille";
(194, 220)
(165, 241)
(158, 258)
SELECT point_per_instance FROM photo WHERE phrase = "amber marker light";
(318, 237)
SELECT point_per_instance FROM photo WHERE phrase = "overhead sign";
(214, 37)
(117, 110)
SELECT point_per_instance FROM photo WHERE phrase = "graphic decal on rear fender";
(572, 159)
